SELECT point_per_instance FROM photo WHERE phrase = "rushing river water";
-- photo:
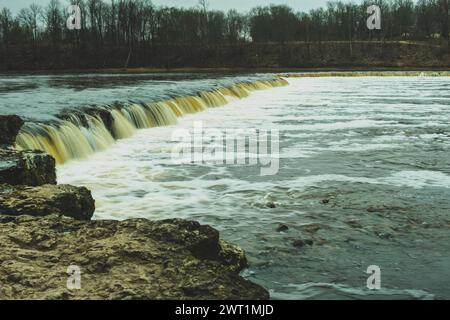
(364, 179)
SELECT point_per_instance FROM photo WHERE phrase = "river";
(363, 178)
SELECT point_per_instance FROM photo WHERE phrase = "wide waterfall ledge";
(80, 134)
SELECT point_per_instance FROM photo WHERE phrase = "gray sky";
(240, 5)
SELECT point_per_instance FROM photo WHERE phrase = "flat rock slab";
(33, 168)
(132, 259)
(75, 202)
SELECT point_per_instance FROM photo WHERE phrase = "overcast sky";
(241, 5)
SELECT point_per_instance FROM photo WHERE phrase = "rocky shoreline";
(46, 229)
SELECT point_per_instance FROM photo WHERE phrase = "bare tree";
(6, 21)
(29, 19)
(53, 18)
(444, 6)
(204, 5)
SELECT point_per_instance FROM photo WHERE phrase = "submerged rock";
(75, 202)
(354, 224)
(133, 259)
(271, 205)
(282, 228)
(33, 168)
(312, 227)
(9, 128)
(299, 243)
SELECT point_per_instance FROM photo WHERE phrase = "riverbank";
(251, 57)
(46, 230)
(222, 70)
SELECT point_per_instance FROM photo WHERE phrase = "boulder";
(33, 168)
(132, 259)
(9, 128)
(75, 202)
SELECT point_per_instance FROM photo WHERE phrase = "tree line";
(141, 24)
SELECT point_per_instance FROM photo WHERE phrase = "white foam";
(418, 179)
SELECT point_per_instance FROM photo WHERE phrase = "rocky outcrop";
(133, 259)
(75, 202)
(28, 182)
(9, 128)
(33, 168)
(45, 228)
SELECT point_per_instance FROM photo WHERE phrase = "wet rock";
(132, 259)
(82, 116)
(298, 243)
(385, 235)
(301, 243)
(9, 128)
(271, 204)
(75, 202)
(325, 201)
(33, 168)
(232, 256)
(269, 201)
(354, 224)
(282, 228)
(106, 117)
(312, 228)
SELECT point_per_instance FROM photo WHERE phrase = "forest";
(136, 33)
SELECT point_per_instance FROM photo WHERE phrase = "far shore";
(145, 70)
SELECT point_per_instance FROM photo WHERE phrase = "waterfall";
(79, 135)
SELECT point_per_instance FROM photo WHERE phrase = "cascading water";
(81, 135)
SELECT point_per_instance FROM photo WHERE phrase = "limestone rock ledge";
(132, 259)
(75, 202)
